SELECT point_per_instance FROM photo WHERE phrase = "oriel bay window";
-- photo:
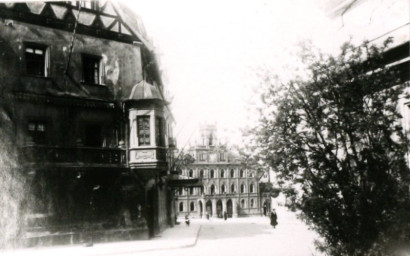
(143, 123)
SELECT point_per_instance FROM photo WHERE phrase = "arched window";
(180, 190)
(232, 173)
(242, 174)
(212, 189)
(212, 173)
(191, 191)
(191, 173)
(222, 173)
(223, 189)
(202, 190)
(243, 203)
(201, 173)
(233, 188)
(242, 188)
(252, 203)
(181, 206)
(251, 188)
(192, 206)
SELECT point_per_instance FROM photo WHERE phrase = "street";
(238, 236)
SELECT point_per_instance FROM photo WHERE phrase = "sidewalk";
(180, 236)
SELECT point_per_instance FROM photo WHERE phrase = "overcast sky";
(212, 49)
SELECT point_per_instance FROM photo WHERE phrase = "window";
(143, 130)
(201, 173)
(232, 173)
(243, 203)
(212, 190)
(191, 173)
(180, 190)
(222, 157)
(202, 190)
(192, 208)
(191, 191)
(89, 4)
(242, 173)
(37, 60)
(160, 131)
(232, 188)
(252, 203)
(181, 207)
(223, 189)
(212, 174)
(251, 188)
(37, 131)
(93, 69)
(222, 173)
(242, 188)
(93, 135)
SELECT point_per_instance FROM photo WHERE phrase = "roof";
(144, 90)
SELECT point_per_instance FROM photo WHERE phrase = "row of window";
(37, 61)
(222, 173)
(192, 206)
(204, 157)
(212, 190)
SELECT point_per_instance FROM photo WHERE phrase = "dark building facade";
(82, 88)
(227, 186)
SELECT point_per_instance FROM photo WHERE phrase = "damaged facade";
(82, 88)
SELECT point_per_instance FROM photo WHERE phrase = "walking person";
(273, 218)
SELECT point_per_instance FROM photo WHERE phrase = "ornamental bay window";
(143, 123)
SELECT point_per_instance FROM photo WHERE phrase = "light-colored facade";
(228, 186)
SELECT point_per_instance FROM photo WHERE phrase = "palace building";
(227, 185)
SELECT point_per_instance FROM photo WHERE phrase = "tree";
(335, 141)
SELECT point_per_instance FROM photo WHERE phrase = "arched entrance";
(209, 207)
(229, 208)
(200, 209)
(219, 209)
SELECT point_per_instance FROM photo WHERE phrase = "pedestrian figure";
(273, 218)
(225, 215)
(187, 220)
(207, 215)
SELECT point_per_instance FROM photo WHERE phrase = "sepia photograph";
(205, 127)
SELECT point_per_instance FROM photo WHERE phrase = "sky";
(214, 52)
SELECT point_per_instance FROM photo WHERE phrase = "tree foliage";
(336, 143)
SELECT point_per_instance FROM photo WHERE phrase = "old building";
(82, 87)
(227, 185)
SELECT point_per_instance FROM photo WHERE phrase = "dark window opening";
(93, 135)
(191, 173)
(232, 173)
(160, 131)
(191, 191)
(91, 69)
(212, 173)
(212, 189)
(37, 131)
(143, 130)
(36, 61)
(181, 207)
(232, 188)
(201, 173)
